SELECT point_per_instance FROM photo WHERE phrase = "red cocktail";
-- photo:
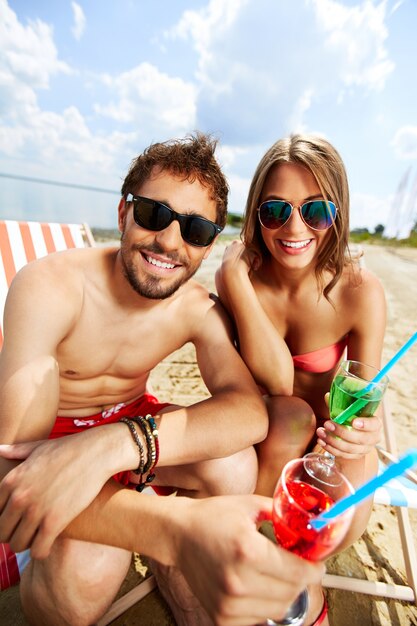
(308, 487)
(291, 517)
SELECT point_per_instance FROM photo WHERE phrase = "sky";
(85, 86)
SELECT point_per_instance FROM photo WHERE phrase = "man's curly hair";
(191, 158)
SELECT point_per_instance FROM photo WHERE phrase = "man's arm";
(40, 311)
(29, 375)
(237, 574)
(48, 483)
(233, 418)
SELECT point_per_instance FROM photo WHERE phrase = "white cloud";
(63, 145)
(367, 211)
(228, 155)
(78, 27)
(253, 72)
(28, 54)
(264, 68)
(239, 188)
(60, 143)
(151, 101)
(396, 6)
(301, 106)
(355, 37)
(405, 142)
(205, 25)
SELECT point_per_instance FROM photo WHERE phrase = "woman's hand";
(238, 257)
(349, 443)
(353, 443)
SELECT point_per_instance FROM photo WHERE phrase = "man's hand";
(239, 576)
(42, 495)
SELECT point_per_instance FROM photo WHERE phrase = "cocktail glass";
(353, 382)
(354, 393)
(306, 488)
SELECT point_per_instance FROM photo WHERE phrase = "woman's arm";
(366, 307)
(354, 448)
(261, 345)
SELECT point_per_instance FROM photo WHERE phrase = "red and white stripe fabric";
(9, 571)
(20, 243)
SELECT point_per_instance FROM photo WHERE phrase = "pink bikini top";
(321, 360)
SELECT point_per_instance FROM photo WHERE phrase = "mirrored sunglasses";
(316, 214)
(156, 216)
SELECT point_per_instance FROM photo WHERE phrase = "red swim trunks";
(11, 565)
(141, 406)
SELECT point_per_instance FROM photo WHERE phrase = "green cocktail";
(352, 381)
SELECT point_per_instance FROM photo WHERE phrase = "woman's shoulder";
(358, 283)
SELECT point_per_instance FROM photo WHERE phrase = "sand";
(377, 555)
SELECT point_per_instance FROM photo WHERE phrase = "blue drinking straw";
(405, 463)
(360, 402)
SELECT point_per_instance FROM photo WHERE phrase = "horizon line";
(45, 181)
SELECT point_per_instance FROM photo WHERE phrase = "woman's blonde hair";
(324, 162)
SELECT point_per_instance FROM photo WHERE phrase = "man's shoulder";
(59, 269)
(196, 294)
(202, 309)
(74, 259)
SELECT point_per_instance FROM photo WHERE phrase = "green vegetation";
(359, 235)
(235, 220)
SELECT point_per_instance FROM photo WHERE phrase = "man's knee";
(47, 606)
(235, 474)
(55, 596)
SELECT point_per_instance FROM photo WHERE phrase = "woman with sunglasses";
(298, 301)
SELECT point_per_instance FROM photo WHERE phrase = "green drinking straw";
(360, 402)
(405, 463)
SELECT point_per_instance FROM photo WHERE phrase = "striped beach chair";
(20, 243)
(401, 494)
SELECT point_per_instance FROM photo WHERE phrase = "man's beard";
(153, 287)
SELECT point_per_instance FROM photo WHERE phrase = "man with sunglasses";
(83, 330)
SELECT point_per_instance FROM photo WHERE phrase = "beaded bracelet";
(150, 442)
(138, 442)
(155, 435)
(149, 429)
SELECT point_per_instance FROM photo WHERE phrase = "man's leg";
(75, 585)
(235, 474)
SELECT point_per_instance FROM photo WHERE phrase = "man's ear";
(121, 212)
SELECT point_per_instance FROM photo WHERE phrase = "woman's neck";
(292, 281)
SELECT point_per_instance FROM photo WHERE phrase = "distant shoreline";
(112, 236)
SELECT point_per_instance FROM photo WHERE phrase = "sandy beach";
(377, 555)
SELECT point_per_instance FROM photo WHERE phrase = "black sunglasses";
(316, 214)
(156, 216)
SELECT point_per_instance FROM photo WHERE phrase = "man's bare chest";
(120, 346)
